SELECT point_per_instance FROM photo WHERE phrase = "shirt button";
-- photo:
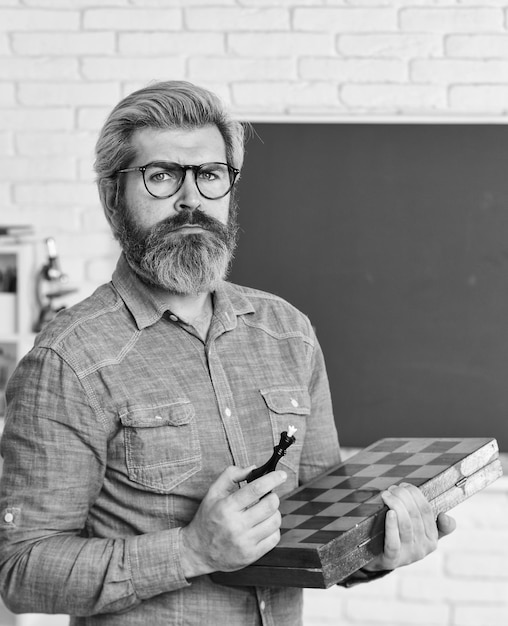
(294, 402)
(262, 605)
(173, 318)
(8, 518)
(228, 412)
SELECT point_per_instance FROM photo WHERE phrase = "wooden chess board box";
(334, 525)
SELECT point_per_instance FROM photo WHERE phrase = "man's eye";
(162, 176)
(208, 175)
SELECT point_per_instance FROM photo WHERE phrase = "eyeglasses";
(163, 179)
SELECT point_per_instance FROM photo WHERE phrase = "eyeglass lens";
(213, 180)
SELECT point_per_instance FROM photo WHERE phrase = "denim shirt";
(118, 421)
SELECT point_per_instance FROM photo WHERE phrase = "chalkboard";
(393, 238)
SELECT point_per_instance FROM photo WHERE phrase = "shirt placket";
(227, 407)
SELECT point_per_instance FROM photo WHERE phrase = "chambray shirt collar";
(148, 304)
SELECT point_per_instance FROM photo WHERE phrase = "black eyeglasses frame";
(233, 174)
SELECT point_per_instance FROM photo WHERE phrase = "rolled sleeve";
(156, 564)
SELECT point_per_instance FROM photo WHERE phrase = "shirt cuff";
(363, 576)
(155, 563)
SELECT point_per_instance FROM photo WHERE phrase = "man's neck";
(194, 310)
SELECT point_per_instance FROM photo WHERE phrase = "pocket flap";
(175, 414)
(287, 400)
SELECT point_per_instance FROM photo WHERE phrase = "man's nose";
(188, 196)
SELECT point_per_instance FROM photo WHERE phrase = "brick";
(40, 119)
(475, 565)
(458, 71)
(452, 589)
(155, 68)
(180, 3)
(48, 220)
(477, 540)
(92, 118)
(153, 44)
(478, 615)
(93, 219)
(451, 20)
(345, 20)
(73, 143)
(100, 270)
(395, 613)
(232, 69)
(24, 19)
(24, 168)
(290, 3)
(353, 70)
(394, 97)
(4, 44)
(56, 193)
(5, 198)
(6, 143)
(395, 45)
(277, 96)
(75, 4)
(53, 93)
(480, 98)
(279, 44)
(481, 46)
(63, 44)
(83, 245)
(7, 94)
(471, 513)
(237, 19)
(44, 68)
(86, 172)
(133, 19)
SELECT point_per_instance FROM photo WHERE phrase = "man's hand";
(232, 527)
(411, 531)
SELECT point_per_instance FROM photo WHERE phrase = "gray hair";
(167, 104)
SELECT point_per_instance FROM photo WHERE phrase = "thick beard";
(182, 263)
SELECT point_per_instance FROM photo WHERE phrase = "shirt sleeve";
(321, 446)
(54, 447)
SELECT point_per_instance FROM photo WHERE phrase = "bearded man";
(139, 413)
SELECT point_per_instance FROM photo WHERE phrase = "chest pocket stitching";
(139, 435)
(282, 400)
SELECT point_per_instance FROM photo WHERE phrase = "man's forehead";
(204, 142)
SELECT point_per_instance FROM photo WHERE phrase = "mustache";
(193, 217)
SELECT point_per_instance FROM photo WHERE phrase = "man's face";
(183, 243)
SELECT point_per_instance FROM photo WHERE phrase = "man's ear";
(108, 193)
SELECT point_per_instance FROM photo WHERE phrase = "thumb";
(445, 524)
(227, 482)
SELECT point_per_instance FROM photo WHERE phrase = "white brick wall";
(65, 63)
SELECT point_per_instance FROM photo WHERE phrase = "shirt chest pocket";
(288, 407)
(161, 444)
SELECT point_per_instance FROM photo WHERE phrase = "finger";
(254, 491)
(227, 482)
(393, 498)
(392, 544)
(262, 509)
(445, 524)
(265, 528)
(421, 512)
(267, 543)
